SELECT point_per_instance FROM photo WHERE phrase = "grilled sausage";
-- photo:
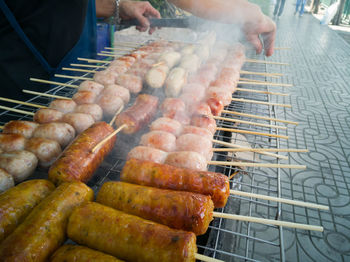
(63, 133)
(92, 109)
(91, 86)
(180, 210)
(198, 131)
(44, 229)
(47, 115)
(110, 104)
(17, 202)
(175, 81)
(46, 150)
(129, 237)
(139, 114)
(168, 125)
(216, 106)
(20, 164)
(172, 106)
(77, 162)
(187, 159)
(203, 121)
(84, 97)
(74, 253)
(63, 105)
(164, 176)
(6, 181)
(190, 63)
(79, 121)
(147, 154)
(117, 91)
(156, 76)
(170, 58)
(132, 82)
(12, 142)
(159, 139)
(21, 127)
(105, 77)
(195, 143)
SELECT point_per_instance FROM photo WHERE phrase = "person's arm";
(140, 10)
(241, 12)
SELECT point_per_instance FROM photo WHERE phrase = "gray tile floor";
(320, 71)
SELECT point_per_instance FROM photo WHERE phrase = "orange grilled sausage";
(164, 176)
(180, 210)
(77, 162)
(74, 253)
(44, 229)
(17, 202)
(129, 237)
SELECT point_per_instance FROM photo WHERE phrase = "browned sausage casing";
(74, 253)
(44, 229)
(77, 162)
(139, 114)
(17, 202)
(164, 176)
(129, 237)
(176, 209)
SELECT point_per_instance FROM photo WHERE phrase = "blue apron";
(85, 47)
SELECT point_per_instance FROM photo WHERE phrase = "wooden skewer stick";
(21, 102)
(250, 80)
(235, 146)
(278, 199)
(268, 221)
(158, 64)
(260, 117)
(248, 122)
(93, 60)
(91, 66)
(44, 94)
(248, 164)
(263, 83)
(206, 259)
(120, 48)
(282, 48)
(273, 75)
(2, 127)
(79, 70)
(73, 77)
(260, 102)
(108, 137)
(116, 114)
(244, 149)
(265, 62)
(250, 132)
(52, 82)
(261, 92)
(17, 110)
(110, 55)
(128, 44)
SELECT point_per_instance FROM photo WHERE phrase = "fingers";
(255, 41)
(151, 11)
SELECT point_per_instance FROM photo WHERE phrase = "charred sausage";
(21, 127)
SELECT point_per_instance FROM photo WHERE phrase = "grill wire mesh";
(228, 240)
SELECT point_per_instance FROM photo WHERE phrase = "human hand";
(265, 28)
(139, 10)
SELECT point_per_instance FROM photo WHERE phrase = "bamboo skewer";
(250, 132)
(52, 82)
(260, 117)
(248, 122)
(79, 70)
(2, 127)
(110, 55)
(44, 94)
(17, 110)
(273, 75)
(120, 48)
(91, 66)
(93, 60)
(278, 199)
(235, 146)
(73, 77)
(21, 102)
(248, 164)
(244, 149)
(263, 83)
(260, 102)
(108, 137)
(265, 62)
(261, 92)
(282, 48)
(206, 259)
(268, 221)
(116, 114)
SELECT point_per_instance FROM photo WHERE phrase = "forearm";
(105, 8)
(226, 11)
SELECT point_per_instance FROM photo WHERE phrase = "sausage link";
(129, 237)
(180, 210)
(139, 114)
(6, 181)
(17, 202)
(12, 142)
(74, 253)
(77, 162)
(44, 230)
(148, 173)
(21, 127)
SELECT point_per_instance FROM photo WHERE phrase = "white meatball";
(196, 143)
(159, 139)
(168, 125)
(117, 90)
(187, 159)
(93, 109)
(12, 142)
(92, 86)
(21, 127)
(147, 154)
(63, 105)
(79, 121)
